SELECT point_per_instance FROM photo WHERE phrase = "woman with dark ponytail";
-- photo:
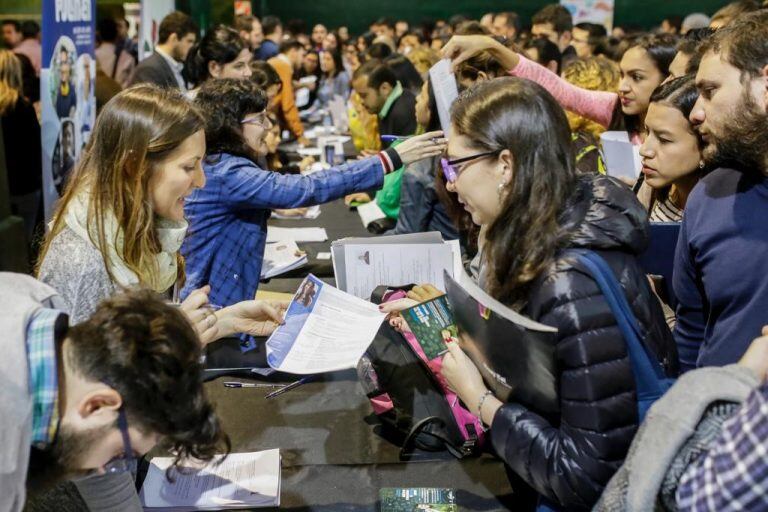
(220, 54)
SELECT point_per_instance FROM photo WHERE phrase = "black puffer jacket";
(569, 458)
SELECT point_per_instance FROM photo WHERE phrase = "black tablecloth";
(333, 459)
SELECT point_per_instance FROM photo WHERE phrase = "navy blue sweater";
(721, 269)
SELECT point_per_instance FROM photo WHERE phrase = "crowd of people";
(155, 248)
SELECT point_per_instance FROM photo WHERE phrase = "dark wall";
(358, 14)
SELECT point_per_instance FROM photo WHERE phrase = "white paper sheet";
(325, 330)
(622, 158)
(299, 235)
(446, 91)
(368, 266)
(243, 480)
(337, 249)
(282, 257)
(312, 212)
(370, 212)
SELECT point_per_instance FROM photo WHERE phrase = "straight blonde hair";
(11, 82)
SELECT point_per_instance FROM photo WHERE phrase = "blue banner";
(67, 96)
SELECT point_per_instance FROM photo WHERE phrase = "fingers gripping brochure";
(515, 355)
(325, 330)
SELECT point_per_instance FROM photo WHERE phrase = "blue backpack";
(650, 380)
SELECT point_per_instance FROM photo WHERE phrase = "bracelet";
(480, 403)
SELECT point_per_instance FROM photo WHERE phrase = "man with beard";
(721, 270)
(93, 397)
(176, 36)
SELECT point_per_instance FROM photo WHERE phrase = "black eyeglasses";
(127, 463)
(449, 169)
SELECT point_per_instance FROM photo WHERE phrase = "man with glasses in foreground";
(88, 400)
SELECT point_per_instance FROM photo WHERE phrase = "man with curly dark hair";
(92, 398)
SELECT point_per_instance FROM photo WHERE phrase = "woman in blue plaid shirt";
(228, 217)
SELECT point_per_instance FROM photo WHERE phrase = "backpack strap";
(650, 379)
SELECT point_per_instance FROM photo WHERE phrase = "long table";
(333, 457)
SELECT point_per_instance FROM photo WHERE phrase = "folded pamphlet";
(622, 158)
(282, 257)
(417, 499)
(325, 330)
(242, 480)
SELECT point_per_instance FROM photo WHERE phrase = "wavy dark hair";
(522, 117)
(224, 103)
(661, 49)
(681, 94)
(222, 44)
(148, 352)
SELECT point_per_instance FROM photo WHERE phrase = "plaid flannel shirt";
(228, 217)
(733, 474)
(43, 377)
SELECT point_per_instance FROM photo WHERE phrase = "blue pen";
(289, 387)
(393, 138)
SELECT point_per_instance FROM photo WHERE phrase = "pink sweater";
(595, 105)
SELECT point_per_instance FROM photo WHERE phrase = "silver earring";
(500, 188)
(701, 164)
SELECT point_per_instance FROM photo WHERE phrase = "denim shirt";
(228, 218)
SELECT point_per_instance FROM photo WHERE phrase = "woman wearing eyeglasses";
(511, 163)
(228, 217)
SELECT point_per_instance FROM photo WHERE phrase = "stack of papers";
(282, 257)
(243, 480)
(299, 235)
(313, 212)
(362, 264)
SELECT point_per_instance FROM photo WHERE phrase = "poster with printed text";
(592, 11)
(68, 104)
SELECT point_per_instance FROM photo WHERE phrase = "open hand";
(462, 48)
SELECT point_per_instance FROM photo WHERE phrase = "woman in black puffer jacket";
(523, 189)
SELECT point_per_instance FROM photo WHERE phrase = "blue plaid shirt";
(733, 474)
(43, 376)
(228, 218)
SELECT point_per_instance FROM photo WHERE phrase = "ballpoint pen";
(289, 387)
(234, 384)
(393, 138)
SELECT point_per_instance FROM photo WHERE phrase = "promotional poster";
(66, 90)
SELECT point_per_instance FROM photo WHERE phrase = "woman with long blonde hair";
(21, 138)
(120, 221)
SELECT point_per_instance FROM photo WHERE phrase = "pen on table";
(289, 387)
(233, 384)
